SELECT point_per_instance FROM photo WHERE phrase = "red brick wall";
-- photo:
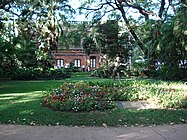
(69, 56)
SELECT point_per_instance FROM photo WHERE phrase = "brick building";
(78, 57)
(75, 54)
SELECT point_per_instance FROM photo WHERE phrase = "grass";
(20, 103)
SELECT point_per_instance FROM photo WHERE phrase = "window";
(92, 61)
(77, 63)
(60, 63)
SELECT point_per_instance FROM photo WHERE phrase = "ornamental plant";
(102, 95)
(78, 97)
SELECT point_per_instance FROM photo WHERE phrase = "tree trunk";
(140, 43)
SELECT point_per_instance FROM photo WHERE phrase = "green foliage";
(78, 97)
(101, 73)
(21, 53)
(7, 54)
(89, 45)
(107, 72)
(172, 47)
(43, 18)
(95, 95)
(162, 38)
(166, 43)
(34, 74)
(21, 104)
(140, 68)
(167, 73)
(73, 34)
(29, 34)
(106, 39)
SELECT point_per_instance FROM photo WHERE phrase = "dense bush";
(101, 73)
(87, 96)
(161, 71)
(141, 69)
(34, 74)
(107, 73)
(167, 73)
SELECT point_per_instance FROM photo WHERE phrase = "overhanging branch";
(160, 13)
(141, 10)
(139, 42)
(94, 9)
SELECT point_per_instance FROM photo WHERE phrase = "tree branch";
(94, 9)
(140, 43)
(161, 9)
(8, 10)
(165, 15)
(171, 4)
(4, 3)
(5, 19)
(142, 11)
(110, 3)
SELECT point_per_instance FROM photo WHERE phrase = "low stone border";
(136, 105)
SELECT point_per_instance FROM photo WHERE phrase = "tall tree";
(33, 25)
(146, 8)
(173, 45)
(45, 15)
(73, 34)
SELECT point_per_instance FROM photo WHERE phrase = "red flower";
(87, 92)
(103, 93)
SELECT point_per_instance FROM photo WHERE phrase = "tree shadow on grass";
(33, 113)
(20, 103)
(27, 86)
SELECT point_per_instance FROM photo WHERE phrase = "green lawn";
(20, 103)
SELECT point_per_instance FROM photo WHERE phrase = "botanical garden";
(142, 49)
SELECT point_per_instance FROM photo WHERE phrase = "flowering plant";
(78, 97)
(98, 95)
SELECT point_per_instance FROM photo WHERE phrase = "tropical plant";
(167, 28)
(29, 31)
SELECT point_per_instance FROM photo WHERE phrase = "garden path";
(20, 132)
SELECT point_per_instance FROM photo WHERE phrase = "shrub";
(107, 73)
(168, 73)
(23, 74)
(35, 74)
(101, 73)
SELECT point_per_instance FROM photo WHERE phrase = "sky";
(75, 4)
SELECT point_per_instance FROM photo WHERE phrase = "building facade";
(77, 57)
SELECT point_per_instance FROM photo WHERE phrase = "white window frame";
(60, 63)
(93, 62)
(77, 63)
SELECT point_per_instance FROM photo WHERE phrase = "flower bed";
(78, 97)
(88, 96)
